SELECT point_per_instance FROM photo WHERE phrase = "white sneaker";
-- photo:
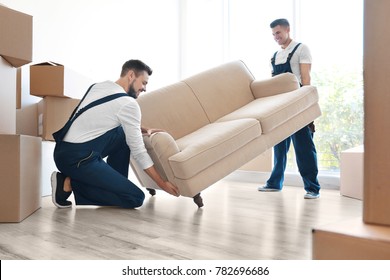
(311, 195)
(267, 189)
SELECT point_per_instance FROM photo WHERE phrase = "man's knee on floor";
(135, 201)
(140, 201)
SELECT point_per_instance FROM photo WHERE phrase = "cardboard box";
(16, 35)
(20, 173)
(54, 79)
(27, 120)
(53, 113)
(7, 97)
(351, 240)
(376, 65)
(352, 172)
(48, 166)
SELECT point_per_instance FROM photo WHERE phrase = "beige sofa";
(218, 120)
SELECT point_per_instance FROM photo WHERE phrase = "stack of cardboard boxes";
(57, 85)
(26, 141)
(20, 155)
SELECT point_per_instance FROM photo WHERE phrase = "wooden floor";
(237, 222)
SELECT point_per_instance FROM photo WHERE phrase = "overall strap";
(273, 59)
(82, 99)
(289, 55)
(292, 53)
(98, 102)
(60, 134)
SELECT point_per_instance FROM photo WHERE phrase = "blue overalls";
(305, 151)
(95, 181)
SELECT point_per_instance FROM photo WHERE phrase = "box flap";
(47, 63)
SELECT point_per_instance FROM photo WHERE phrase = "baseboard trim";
(326, 180)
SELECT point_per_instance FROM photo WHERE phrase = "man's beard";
(131, 92)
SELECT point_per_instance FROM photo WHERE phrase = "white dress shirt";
(123, 111)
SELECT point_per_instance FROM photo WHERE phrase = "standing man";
(295, 58)
(107, 124)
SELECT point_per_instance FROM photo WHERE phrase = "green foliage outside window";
(341, 125)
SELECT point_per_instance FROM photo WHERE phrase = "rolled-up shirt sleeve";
(130, 119)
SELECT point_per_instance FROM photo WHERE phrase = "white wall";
(96, 37)
(177, 38)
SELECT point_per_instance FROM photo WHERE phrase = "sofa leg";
(151, 191)
(198, 200)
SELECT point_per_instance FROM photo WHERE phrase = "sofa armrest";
(161, 146)
(278, 84)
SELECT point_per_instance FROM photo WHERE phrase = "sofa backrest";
(223, 89)
(173, 108)
(186, 106)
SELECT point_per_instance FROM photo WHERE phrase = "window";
(334, 31)
(217, 31)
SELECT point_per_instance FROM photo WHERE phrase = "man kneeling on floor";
(106, 124)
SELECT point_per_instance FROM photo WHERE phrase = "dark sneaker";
(311, 195)
(58, 195)
(267, 189)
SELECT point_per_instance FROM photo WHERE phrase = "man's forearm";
(152, 173)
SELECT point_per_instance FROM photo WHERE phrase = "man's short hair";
(137, 66)
(281, 22)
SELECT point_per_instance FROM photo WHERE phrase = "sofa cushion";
(272, 111)
(211, 143)
(173, 108)
(223, 89)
